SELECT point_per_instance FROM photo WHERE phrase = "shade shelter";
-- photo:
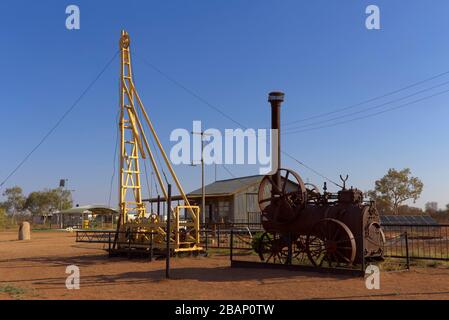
(89, 216)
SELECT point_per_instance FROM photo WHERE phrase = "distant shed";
(97, 215)
(229, 201)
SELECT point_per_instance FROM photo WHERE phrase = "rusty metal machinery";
(322, 228)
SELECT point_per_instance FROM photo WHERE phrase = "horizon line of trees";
(390, 194)
(43, 202)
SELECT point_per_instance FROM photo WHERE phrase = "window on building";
(223, 208)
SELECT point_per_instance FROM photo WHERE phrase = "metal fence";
(218, 236)
(109, 238)
(232, 225)
(429, 242)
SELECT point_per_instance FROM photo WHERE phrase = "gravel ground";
(35, 269)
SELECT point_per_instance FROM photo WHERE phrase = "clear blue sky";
(231, 53)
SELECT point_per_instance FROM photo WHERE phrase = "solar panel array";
(407, 220)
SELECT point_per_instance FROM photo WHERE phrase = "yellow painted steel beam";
(129, 136)
(156, 138)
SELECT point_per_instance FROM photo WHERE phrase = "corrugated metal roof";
(229, 186)
(96, 209)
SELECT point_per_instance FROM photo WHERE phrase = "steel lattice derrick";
(133, 147)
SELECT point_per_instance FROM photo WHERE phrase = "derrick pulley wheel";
(125, 41)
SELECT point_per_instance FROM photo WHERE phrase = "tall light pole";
(203, 187)
(62, 185)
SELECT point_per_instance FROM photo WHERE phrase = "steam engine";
(337, 229)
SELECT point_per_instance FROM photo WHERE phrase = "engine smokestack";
(276, 98)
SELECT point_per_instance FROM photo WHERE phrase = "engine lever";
(344, 181)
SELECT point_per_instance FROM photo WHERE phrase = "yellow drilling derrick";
(135, 228)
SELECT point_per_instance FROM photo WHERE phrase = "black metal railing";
(429, 242)
(218, 236)
(94, 236)
(232, 225)
(123, 241)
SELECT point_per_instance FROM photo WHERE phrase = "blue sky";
(231, 53)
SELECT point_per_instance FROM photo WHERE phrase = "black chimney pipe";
(276, 98)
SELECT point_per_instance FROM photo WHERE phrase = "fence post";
(218, 235)
(167, 258)
(231, 245)
(129, 244)
(289, 256)
(151, 246)
(207, 240)
(363, 249)
(407, 257)
(109, 243)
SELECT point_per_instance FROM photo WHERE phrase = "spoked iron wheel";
(273, 248)
(332, 243)
(299, 251)
(270, 248)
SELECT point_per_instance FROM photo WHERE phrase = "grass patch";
(395, 264)
(392, 264)
(226, 252)
(434, 264)
(48, 230)
(429, 263)
(14, 292)
(217, 251)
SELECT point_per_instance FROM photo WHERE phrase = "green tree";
(395, 188)
(383, 203)
(3, 218)
(64, 198)
(410, 211)
(431, 207)
(47, 201)
(14, 200)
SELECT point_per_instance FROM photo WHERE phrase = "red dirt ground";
(35, 269)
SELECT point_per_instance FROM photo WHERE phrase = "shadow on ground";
(204, 274)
